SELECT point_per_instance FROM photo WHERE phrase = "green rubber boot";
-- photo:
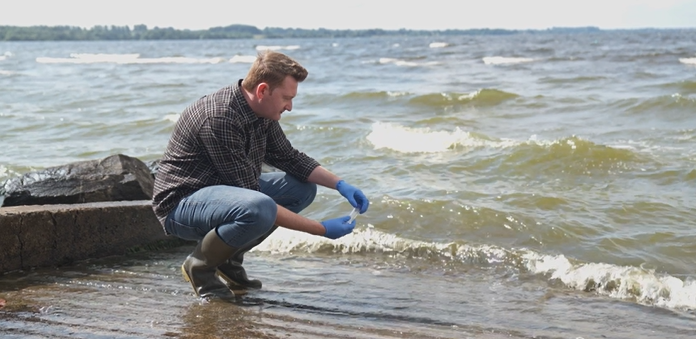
(200, 266)
(232, 270)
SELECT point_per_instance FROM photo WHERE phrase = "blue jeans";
(240, 215)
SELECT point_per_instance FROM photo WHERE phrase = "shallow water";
(319, 296)
(529, 185)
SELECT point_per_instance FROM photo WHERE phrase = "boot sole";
(187, 278)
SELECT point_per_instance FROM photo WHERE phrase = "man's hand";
(355, 197)
(336, 228)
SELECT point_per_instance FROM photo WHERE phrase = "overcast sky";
(354, 14)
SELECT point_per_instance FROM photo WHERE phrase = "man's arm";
(280, 154)
(356, 198)
(294, 221)
(333, 228)
(322, 176)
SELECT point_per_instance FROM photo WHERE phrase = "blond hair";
(272, 68)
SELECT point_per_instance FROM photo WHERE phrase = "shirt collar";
(247, 115)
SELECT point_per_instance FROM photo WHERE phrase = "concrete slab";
(54, 235)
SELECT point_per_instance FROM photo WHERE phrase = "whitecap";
(688, 61)
(277, 48)
(179, 60)
(419, 140)
(171, 117)
(620, 282)
(396, 94)
(243, 59)
(134, 58)
(499, 60)
(405, 63)
(88, 58)
(438, 44)
(370, 240)
(5, 55)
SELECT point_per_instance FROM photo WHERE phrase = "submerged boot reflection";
(221, 319)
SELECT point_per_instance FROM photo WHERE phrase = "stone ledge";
(54, 235)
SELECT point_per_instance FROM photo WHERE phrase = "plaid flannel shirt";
(219, 140)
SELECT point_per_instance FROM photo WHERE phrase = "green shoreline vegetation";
(142, 32)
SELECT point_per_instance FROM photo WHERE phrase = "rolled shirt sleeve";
(281, 154)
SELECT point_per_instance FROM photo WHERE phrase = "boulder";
(114, 178)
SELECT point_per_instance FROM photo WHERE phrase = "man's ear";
(261, 90)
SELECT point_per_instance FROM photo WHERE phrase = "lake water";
(524, 186)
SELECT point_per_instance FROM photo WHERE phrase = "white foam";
(688, 61)
(277, 48)
(438, 44)
(621, 282)
(4, 72)
(421, 140)
(171, 117)
(399, 62)
(425, 140)
(647, 147)
(6, 173)
(499, 60)
(243, 59)
(89, 58)
(396, 94)
(369, 240)
(2, 57)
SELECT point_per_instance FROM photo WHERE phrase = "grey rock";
(114, 178)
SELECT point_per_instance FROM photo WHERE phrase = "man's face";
(273, 104)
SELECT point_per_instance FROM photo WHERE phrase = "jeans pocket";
(184, 231)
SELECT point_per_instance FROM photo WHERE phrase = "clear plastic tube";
(353, 215)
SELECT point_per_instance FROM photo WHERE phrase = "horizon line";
(364, 29)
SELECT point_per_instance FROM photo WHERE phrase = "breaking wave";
(644, 286)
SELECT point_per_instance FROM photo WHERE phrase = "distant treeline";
(142, 32)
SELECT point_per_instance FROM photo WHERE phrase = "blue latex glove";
(336, 228)
(355, 197)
